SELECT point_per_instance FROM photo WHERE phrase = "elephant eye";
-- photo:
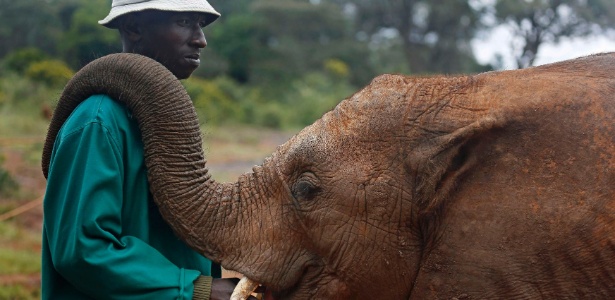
(306, 187)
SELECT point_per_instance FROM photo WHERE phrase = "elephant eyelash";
(305, 188)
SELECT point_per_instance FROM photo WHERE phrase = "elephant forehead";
(310, 146)
(347, 159)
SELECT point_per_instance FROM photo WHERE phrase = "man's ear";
(130, 28)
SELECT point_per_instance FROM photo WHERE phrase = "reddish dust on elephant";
(496, 185)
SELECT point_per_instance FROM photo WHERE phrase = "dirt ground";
(230, 152)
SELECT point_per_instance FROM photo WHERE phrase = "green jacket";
(103, 236)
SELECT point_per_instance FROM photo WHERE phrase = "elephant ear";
(439, 163)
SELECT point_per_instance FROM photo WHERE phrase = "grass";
(20, 262)
(21, 124)
(20, 251)
(19, 292)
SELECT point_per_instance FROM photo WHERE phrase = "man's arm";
(83, 208)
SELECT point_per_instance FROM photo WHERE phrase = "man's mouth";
(194, 58)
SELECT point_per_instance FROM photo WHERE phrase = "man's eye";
(202, 24)
(184, 22)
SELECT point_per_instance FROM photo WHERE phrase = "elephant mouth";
(293, 292)
(288, 280)
(304, 287)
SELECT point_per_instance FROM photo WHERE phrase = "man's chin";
(183, 75)
(182, 71)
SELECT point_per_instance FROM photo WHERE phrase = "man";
(103, 236)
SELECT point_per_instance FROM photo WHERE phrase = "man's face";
(174, 39)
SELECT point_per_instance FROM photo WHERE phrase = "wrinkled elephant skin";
(493, 186)
(499, 185)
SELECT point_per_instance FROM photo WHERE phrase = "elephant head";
(495, 185)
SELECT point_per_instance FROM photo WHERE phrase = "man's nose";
(198, 38)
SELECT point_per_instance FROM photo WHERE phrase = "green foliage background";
(282, 63)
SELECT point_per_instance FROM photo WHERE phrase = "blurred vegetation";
(20, 258)
(23, 260)
(539, 22)
(8, 185)
(282, 63)
(52, 72)
(277, 63)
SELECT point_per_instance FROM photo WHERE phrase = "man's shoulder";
(98, 109)
(101, 106)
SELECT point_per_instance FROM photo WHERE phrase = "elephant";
(493, 185)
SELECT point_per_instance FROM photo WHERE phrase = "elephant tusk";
(244, 288)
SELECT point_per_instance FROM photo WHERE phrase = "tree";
(28, 23)
(299, 35)
(84, 39)
(535, 22)
(61, 28)
(435, 34)
(229, 7)
(234, 40)
(276, 41)
(306, 34)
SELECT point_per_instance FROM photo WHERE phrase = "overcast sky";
(498, 41)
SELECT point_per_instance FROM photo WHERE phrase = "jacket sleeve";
(83, 207)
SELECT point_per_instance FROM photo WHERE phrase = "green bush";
(3, 97)
(22, 103)
(8, 185)
(20, 60)
(213, 104)
(272, 115)
(337, 68)
(312, 95)
(51, 72)
(297, 104)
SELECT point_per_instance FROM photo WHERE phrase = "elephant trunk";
(181, 186)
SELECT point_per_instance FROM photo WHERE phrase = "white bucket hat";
(122, 7)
